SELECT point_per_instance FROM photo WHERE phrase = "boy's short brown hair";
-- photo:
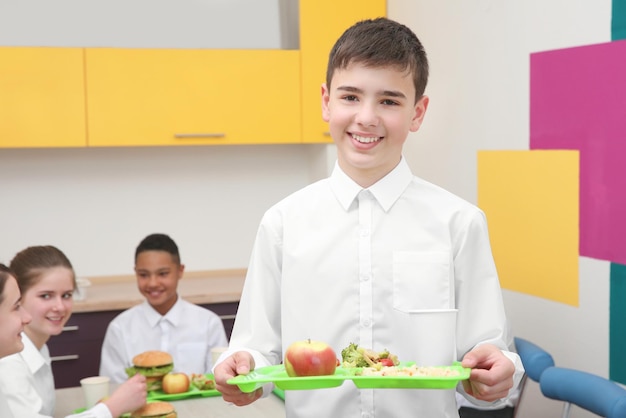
(381, 42)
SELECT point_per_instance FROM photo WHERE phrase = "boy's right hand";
(240, 362)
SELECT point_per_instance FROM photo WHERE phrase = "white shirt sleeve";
(113, 358)
(5, 412)
(98, 411)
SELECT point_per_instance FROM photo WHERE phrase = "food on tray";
(154, 365)
(175, 383)
(202, 382)
(409, 371)
(155, 410)
(276, 374)
(310, 358)
(355, 356)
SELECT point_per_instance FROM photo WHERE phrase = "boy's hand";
(492, 373)
(240, 362)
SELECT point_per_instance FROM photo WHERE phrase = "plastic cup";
(81, 288)
(216, 352)
(436, 331)
(95, 388)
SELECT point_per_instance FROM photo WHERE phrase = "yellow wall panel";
(531, 199)
(321, 23)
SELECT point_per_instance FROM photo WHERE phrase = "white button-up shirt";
(186, 331)
(339, 264)
(27, 382)
(27, 386)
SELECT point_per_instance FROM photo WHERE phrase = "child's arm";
(113, 360)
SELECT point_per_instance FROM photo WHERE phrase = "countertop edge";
(112, 293)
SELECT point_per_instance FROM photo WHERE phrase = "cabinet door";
(76, 351)
(42, 97)
(319, 29)
(227, 312)
(138, 97)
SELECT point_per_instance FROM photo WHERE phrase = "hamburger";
(155, 410)
(154, 365)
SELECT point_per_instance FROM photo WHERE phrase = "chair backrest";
(596, 394)
(534, 358)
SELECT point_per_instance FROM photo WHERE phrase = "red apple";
(310, 358)
(175, 383)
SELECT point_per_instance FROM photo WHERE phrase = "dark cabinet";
(75, 352)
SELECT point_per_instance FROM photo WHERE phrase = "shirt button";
(365, 277)
(366, 323)
(366, 415)
(365, 232)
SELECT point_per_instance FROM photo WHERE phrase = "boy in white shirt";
(164, 321)
(357, 257)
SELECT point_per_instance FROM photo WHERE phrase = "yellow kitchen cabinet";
(321, 23)
(153, 97)
(42, 97)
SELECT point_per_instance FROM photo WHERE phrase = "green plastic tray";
(79, 410)
(279, 393)
(159, 395)
(278, 376)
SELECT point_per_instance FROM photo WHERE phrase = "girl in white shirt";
(46, 280)
(12, 320)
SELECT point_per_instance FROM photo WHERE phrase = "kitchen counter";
(108, 293)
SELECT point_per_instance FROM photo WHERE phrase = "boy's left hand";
(492, 373)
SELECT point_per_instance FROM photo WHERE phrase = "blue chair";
(596, 394)
(534, 358)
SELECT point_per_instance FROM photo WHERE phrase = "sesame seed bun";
(153, 358)
(155, 410)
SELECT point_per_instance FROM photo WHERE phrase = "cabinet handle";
(70, 328)
(200, 135)
(64, 358)
(232, 316)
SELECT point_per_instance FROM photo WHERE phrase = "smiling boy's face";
(157, 278)
(370, 112)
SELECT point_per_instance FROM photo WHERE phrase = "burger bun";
(152, 358)
(155, 410)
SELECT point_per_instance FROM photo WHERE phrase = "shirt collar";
(173, 316)
(32, 357)
(386, 190)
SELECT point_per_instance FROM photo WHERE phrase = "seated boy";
(164, 321)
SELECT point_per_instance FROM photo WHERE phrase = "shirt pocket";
(421, 280)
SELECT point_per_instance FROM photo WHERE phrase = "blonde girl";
(46, 281)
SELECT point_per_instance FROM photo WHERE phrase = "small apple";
(175, 383)
(310, 358)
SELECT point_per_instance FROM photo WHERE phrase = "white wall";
(97, 204)
(479, 88)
